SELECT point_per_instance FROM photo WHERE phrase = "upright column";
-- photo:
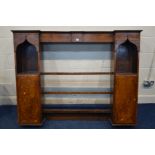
(27, 57)
(126, 62)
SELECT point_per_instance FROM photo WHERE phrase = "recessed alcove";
(126, 58)
(26, 58)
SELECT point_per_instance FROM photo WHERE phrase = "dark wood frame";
(123, 112)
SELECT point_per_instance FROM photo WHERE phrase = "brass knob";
(77, 39)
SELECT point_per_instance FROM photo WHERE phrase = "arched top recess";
(127, 58)
(26, 58)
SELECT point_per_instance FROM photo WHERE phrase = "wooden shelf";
(59, 93)
(76, 111)
(77, 114)
(76, 73)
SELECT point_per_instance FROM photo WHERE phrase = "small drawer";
(56, 37)
(98, 37)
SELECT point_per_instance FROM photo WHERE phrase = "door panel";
(28, 96)
(125, 99)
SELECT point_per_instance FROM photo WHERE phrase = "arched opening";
(126, 58)
(26, 58)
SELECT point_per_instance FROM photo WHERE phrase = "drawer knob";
(77, 39)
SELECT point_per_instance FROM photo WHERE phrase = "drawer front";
(98, 37)
(56, 37)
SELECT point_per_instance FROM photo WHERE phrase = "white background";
(77, 13)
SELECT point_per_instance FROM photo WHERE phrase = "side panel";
(125, 99)
(28, 96)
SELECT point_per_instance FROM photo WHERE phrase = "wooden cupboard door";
(125, 99)
(28, 97)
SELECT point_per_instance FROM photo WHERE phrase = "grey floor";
(145, 120)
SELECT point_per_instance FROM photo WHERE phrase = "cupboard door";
(28, 97)
(125, 99)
